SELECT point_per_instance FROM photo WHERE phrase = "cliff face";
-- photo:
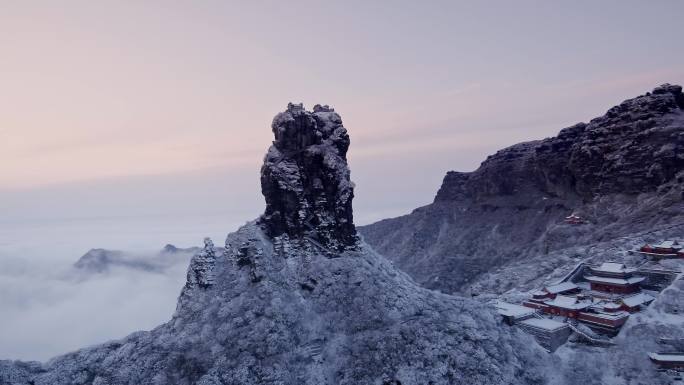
(622, 172)
(305, 178)
(635, 147)
(297, 298)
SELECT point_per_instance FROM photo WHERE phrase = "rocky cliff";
(297, 298)
(305, 178)
(622, 172)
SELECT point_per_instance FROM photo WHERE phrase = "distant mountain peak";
(623, 172)
(635, 147)
(305, 178)
(169, 248)
(97, 261)
(674, 89)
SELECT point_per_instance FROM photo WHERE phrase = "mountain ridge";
(615, 171)
(296, 297)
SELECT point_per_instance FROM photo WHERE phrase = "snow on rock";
(623, 173)
(201, 269)
(275, 308)
(499, 233)
(305, 178)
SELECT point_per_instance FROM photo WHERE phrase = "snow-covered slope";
(501, 226)
(297, 298)
(499, 232)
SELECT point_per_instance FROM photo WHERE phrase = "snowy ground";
(39, 293)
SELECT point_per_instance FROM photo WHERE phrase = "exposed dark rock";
(635, 147)
(305, 178)
(247, 255)
(618, 171)
(274, 310)
(201, 269)
(453, 187)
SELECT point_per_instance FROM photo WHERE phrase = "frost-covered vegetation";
(310, 319)
(296, 298)
(499, 232)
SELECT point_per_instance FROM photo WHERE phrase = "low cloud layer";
(48, 311)
(48, 307)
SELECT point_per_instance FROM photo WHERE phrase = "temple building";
(513, 314)
(632, 303)
(664, 249)
(606, 322)
(549, 334)
(636, 302)
(566, 306)
(614, 278)
(550, 292)
(574, 219)
(606, 319)
(603, 303)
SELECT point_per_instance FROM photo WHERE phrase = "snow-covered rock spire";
(200, 272)
(305, 179)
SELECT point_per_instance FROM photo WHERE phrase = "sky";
(129, 107)
(131, 124)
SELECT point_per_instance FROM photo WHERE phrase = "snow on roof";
(666, 244)
(544, 323)
(614, 281)
(612, 305)
(510, 310)
(669, 357)
(638, 299)
(609, 316)
(561, 287)
(568, 302)
(612, 267)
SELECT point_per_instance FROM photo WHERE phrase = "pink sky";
(99, 93)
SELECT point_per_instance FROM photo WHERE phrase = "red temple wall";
(602, 321)
(614, 289)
